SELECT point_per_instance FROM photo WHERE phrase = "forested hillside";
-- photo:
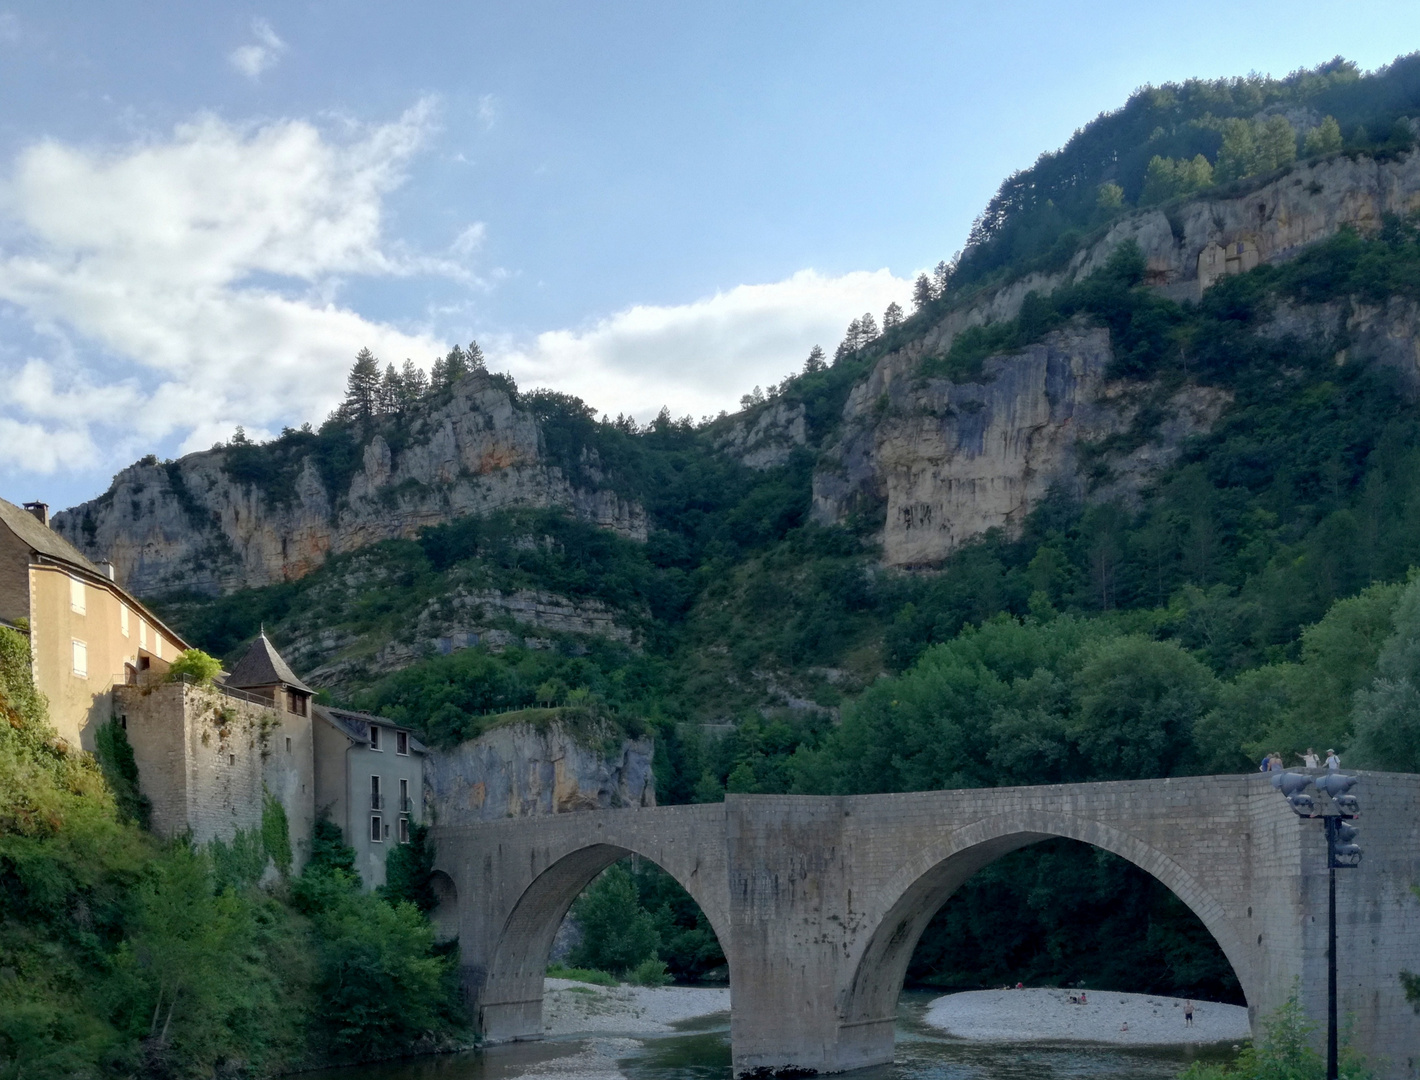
(1246, 592)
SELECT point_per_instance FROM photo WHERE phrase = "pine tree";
(362, 388)
(941, 278)
(414, 384)
(455, 366)
(391, 392)
(853, 337)
(815, 362)
(867, 328)
(1276, 143)
(474, 355)
(922, 292)
(437, 379)
(1325, 138)
(892, 317)
(1238, 156)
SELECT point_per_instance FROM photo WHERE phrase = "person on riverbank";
(1188, 1014)
(1310, 759)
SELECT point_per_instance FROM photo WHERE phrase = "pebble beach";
(1046, 1015)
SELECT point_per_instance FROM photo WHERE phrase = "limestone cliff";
(523, 771)
(196, 524)
(939, 463)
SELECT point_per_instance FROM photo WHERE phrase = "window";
(142, 634)
(401, 742)
(377, 801)
(374, 736)
(157, 645)
(231, 759)
(77, 599)
(403, 796)
(123, 618)
(81, 659)
(377, 828)
(296, 702)
(288, 744)
(404, 830)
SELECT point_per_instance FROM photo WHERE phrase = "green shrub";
(586, 975)
(195, 664)
(649, 972)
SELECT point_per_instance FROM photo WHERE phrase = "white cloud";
(488, 107)
(251, 60)
(470, 240)
(699, 358)
(204, 267)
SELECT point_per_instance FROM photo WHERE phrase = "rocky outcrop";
(522, 771)
(939, 463)
(944, 462)
(193, 524)
(765, 439)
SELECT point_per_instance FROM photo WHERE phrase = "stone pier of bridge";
(818, 902)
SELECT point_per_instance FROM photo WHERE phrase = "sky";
(206, 210)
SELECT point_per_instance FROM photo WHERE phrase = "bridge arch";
(510, 1003)
(910, 898)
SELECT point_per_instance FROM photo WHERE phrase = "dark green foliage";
(276, 833)
(1060, 914)
(617, 933)
(115, 756)
(409, 871)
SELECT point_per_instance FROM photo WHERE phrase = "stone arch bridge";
(818, 902)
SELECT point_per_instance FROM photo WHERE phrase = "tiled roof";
(262, 666)
(356, 725)
(41, 538)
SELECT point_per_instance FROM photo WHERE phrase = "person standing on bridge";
(1309, 759)
(1332, 761)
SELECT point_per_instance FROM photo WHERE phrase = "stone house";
(87, 633)
(370, 781)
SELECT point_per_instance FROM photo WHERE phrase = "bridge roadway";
(818, 902)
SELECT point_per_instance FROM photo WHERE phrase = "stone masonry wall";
(199, 756)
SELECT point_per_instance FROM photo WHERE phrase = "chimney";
(107, 568)
(39, 510)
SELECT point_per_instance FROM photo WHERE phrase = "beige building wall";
(82, 634)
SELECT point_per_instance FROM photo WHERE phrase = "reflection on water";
(701, 1051)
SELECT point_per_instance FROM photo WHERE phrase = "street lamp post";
(1342, 853)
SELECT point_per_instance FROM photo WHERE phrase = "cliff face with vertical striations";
(205, 522)
(939, 462)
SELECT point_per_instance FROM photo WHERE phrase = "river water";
(700, 1050)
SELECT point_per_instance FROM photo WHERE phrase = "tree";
(892, 317)
(816, 361)
(1325, 138)
(362, 388)
(455, 366)
(409, 871)
(196, 663)
(867, 328)
(1276, 143)
(413, 385)
(1238, 155)
(617, 933)
(391, 392)
(474, 356)
(1110, 196)
(942, 276)
(922, 293)
(1386, 716)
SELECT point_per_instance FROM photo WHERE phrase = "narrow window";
(231, 759)
(81, 659)
(288, 744)
(376, 803)
(157, 645)
(77, 599)
(142, 634)
(401, 742)
(374, 736)
(404, 830)
(377, 829)
(403, 795)
(123, 618)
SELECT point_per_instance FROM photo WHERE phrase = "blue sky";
(206, 209)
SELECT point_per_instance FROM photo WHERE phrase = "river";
(700, 1050)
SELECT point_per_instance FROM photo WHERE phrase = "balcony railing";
(151, 678)
(406, 805)
(377, 802)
